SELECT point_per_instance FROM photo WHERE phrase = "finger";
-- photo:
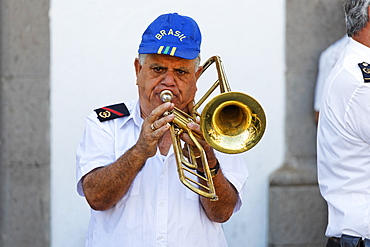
(186, 138)
(155, 120)
(152, 126)
(159, 111)
(159, 132)
(195, 127)
(162, 122)
(185, 151)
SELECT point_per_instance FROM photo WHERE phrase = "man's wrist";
(213, 170)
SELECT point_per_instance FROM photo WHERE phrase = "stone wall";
(297, 212)
(24, 123)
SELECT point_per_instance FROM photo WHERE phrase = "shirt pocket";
(134, 190)
(135, 186)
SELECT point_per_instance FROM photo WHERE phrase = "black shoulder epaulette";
(365, 69)
(112, 112)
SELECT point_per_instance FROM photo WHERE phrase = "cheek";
(193, 88)
(193, 91)
(145, 84)
(144, 91)
(189, 92)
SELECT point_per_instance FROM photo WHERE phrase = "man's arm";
(222, 209)
(105, 186)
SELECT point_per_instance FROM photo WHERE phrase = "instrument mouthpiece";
(166, 95)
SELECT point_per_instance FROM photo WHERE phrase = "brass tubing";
(231, 122)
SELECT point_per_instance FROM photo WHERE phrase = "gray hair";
(356, 14)
(142, 58)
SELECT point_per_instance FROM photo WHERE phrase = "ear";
(199, 72)
(137, 66)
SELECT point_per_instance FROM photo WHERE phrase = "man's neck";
(363, 36)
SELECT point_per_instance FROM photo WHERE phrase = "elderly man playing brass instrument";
(126, 167)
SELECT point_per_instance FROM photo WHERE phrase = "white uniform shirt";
(343, 141)
(158, 209)
(328, 59)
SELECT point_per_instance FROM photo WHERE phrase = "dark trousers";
(332, 243)
(348, 241)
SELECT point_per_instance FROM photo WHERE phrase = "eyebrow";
(154, 65)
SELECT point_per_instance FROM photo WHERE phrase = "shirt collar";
(135, 114)
(361, 49)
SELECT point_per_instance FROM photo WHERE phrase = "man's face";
(160, 72)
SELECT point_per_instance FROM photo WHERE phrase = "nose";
(168, 79)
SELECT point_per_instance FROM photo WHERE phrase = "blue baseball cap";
(172, 34)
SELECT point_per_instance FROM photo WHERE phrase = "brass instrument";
(231, 122)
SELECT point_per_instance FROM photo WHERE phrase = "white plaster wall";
(94, 43)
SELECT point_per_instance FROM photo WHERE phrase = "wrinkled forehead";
(169, 61)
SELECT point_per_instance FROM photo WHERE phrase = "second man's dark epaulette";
(112, 112)
(365, 69)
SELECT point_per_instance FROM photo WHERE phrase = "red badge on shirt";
(112, 112)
